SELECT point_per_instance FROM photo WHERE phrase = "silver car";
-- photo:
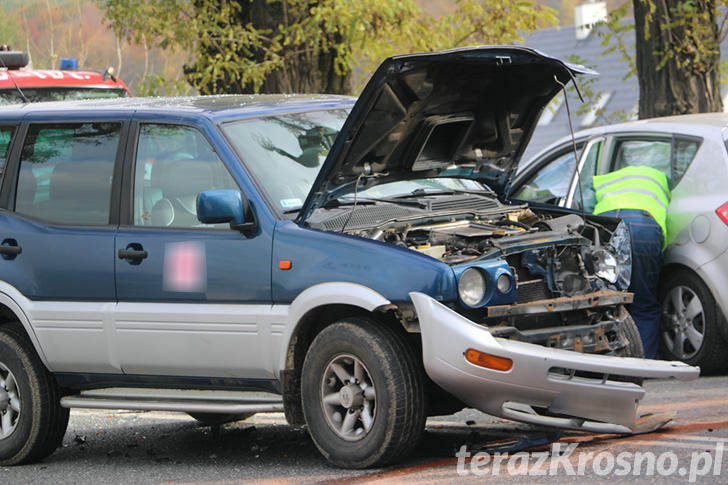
(692, 152)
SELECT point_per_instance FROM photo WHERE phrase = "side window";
(685, 150)
(552, 181)
(174, 163)
(650, 153)
(66, 172)
(6, 134)
(588, 170)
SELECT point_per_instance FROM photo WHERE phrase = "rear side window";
(671, 157)
(66, 171)
(649, 153)
(685, 150)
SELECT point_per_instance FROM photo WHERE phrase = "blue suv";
(346, 261)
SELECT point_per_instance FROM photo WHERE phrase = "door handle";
(133, 254)
(9, 249)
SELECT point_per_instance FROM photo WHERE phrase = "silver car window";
(649, 153)
(551, 182)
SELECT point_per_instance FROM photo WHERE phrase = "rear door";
(58, 231)
(191, 295)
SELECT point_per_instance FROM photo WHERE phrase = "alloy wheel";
(9, 402)
(683, 328)
(348, 397)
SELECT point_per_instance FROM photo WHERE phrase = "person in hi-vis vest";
(640, 196)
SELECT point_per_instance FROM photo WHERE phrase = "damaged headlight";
(472, 287)
(620, 247)
(605, 265)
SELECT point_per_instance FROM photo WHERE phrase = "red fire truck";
(19, 84)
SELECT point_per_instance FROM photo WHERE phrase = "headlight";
(471, 287)
(620, 245)
(605, 265)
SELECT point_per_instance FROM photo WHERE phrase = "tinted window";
(685, 150)
(12, 96)
(66, 171)
(174, 163)
(6, 134)
(552, 181)
(650, 153)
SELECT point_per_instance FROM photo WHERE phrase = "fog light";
(488, 361)
(504, 283)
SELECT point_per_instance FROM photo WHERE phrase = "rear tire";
(362, 394)
(32, 422)
(690, 327)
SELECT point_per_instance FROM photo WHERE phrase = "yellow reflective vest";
(642, 188)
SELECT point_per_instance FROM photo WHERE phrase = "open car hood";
(465, 112)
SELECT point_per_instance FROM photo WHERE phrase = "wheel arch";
(11, 310)
(673, 268)
(313, 310)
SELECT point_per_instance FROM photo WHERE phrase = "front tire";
(690, 327)
(362, 393)
(32, 422)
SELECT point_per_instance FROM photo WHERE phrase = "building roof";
(621, 95)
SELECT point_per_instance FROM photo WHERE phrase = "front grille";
(530, 287)
(533, 290)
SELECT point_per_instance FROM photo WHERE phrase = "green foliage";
(239, 45)
(612, 33)
(689, 31)
(158, 85)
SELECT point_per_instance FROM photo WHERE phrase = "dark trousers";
(647, 241)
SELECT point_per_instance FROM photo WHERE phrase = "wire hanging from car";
(573, 140)
(353, 208)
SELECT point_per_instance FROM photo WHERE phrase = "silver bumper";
(540, 376)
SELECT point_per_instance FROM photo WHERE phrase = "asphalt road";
(102, 447)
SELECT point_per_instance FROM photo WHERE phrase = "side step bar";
(186, 401)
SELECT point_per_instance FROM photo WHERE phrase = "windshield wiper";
(389, 200)
(422, 193)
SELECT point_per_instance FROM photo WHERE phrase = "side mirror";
(224, 205)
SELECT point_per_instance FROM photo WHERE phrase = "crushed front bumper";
(540, 377)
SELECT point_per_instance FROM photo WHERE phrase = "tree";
(247, 46)
(678, 56)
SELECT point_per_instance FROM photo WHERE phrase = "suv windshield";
(285, 152)
(11, 96)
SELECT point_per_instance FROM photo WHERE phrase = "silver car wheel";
(684, 322)
(9, 402)
(348, 397)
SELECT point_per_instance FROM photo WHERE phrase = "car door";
(192, 297)
(553, 178)
(58, 227)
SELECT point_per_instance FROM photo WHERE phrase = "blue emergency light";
(69, 64)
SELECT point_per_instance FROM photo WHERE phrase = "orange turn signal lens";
(488, 361)
(284, 264)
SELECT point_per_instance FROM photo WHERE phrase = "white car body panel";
(599, 405)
